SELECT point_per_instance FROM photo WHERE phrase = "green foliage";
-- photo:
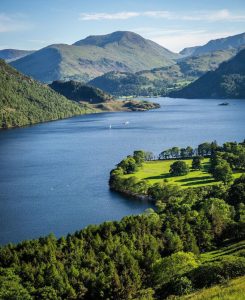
(78, 91)
(222, 171)
(236, 195)
(140, 257)
(196, 163)
(179, 168)
(168, 268)
(11, 287)
(215, 272)
(24, 101)
(128, 165)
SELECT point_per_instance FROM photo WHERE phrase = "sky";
(174, 24)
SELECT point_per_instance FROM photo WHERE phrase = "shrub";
(179, 168)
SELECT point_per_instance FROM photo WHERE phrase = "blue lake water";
(54, 176)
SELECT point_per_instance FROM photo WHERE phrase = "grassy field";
(234, 249)
(156, 171)
(232, 290)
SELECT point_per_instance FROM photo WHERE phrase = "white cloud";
(209, 16)
(105, 16)
(177, 39)
(10, 23)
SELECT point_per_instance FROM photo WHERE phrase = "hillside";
(13, 54)
(190, 242)
(77, 91)
(227, 81)
(159, 81)
(93, 56)
(230, 290)
(231, 42)
(24, 101)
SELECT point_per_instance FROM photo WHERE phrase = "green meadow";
(232, 290)
(156, 171)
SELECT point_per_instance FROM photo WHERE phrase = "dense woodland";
(24, 101)
(78, 91)
(149, 256)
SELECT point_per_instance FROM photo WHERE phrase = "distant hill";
(24, 101)
(159, 81)
(80, 92)
(227, 81)
(12, 54)
(232, 42)
(93, 56)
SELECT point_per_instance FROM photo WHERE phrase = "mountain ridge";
(87, 59)
(230, 42)
(13, 54)
(227, 81)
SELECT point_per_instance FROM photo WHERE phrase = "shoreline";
(96, 111)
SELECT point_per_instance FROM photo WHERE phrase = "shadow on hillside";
(198, 178)
(198, 182)
(161, 176)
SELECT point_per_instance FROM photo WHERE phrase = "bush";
(217, 271)
(179, 168)
(222, 172)
(182, 286)
(196, 163)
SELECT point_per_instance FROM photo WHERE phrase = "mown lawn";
(232, 290)
(156, 171)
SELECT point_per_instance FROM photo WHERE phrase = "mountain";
(188, 51)
(227, 81)
(231, 42)
(25, 101)
(77, 91)
(159, 81)
(13, 54)
(93, 56)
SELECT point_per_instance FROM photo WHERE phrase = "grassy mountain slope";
(94, 56)
(231, 42)
(230, 290)
(77, 91)
(13, 54)
(24, 101)
(159, 81)
(227, 81)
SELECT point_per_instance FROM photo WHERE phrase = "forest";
(171, 250)
(25, 101)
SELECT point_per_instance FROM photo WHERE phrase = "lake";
(54, 176)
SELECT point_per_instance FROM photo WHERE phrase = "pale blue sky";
(175, 24)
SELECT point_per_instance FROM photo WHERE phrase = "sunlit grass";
(157, 171)
(234, 249)
(232, 290)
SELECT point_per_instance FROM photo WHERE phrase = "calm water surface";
(54, 176)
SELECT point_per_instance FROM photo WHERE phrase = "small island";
(224, 104)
